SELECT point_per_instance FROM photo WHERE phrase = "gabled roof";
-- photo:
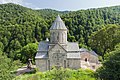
(84, 50)
(58, 45)
(92, 52)
(58, 24)
(41, 55)
(43, 46)
(72, 46)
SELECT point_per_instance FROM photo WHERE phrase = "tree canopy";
(20, 25)
(105, 39)
(29, 51)
(111, 66)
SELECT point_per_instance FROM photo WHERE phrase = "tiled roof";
(84, 50)
(43, 46)
(72, 49)
(92, 52)
(58, 24)
(41, 55)
(72, 46)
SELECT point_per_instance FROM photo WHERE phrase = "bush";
(7, 67)
(59, 74)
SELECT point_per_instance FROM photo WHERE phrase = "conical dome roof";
(58, 24)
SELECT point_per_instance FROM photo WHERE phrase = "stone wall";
(57, 55)
(58, 36)
(73, 63)
(41, 64)
(85, 56)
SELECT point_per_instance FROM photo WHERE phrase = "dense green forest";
(22, 28)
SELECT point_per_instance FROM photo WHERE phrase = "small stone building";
(58, 52)
(89, 56)
(89, 59)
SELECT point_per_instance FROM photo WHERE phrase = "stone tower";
(58, 32)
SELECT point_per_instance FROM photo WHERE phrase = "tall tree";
(29, 51)
(111, 66)
(104, 40)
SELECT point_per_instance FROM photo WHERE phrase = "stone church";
(58, 52)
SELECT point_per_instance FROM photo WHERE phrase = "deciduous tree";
(105, 39)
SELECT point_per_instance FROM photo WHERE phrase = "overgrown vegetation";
(111, 66)
(8, 67)
(60, 74)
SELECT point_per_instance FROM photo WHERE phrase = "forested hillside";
(20, 25)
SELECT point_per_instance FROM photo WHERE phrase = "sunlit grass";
(61, 74)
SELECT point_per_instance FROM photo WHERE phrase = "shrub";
(59, 74)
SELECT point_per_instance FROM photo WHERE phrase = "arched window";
(53, 36)
(58, 37)
(62, 37)
(86, 59)
(93, 66)
(48, 64)
(65, 36)
(64, 63)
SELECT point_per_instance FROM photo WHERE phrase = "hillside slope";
(20, 25)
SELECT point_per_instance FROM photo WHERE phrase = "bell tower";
(58, 32)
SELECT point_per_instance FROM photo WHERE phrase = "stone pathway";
(24, 69)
